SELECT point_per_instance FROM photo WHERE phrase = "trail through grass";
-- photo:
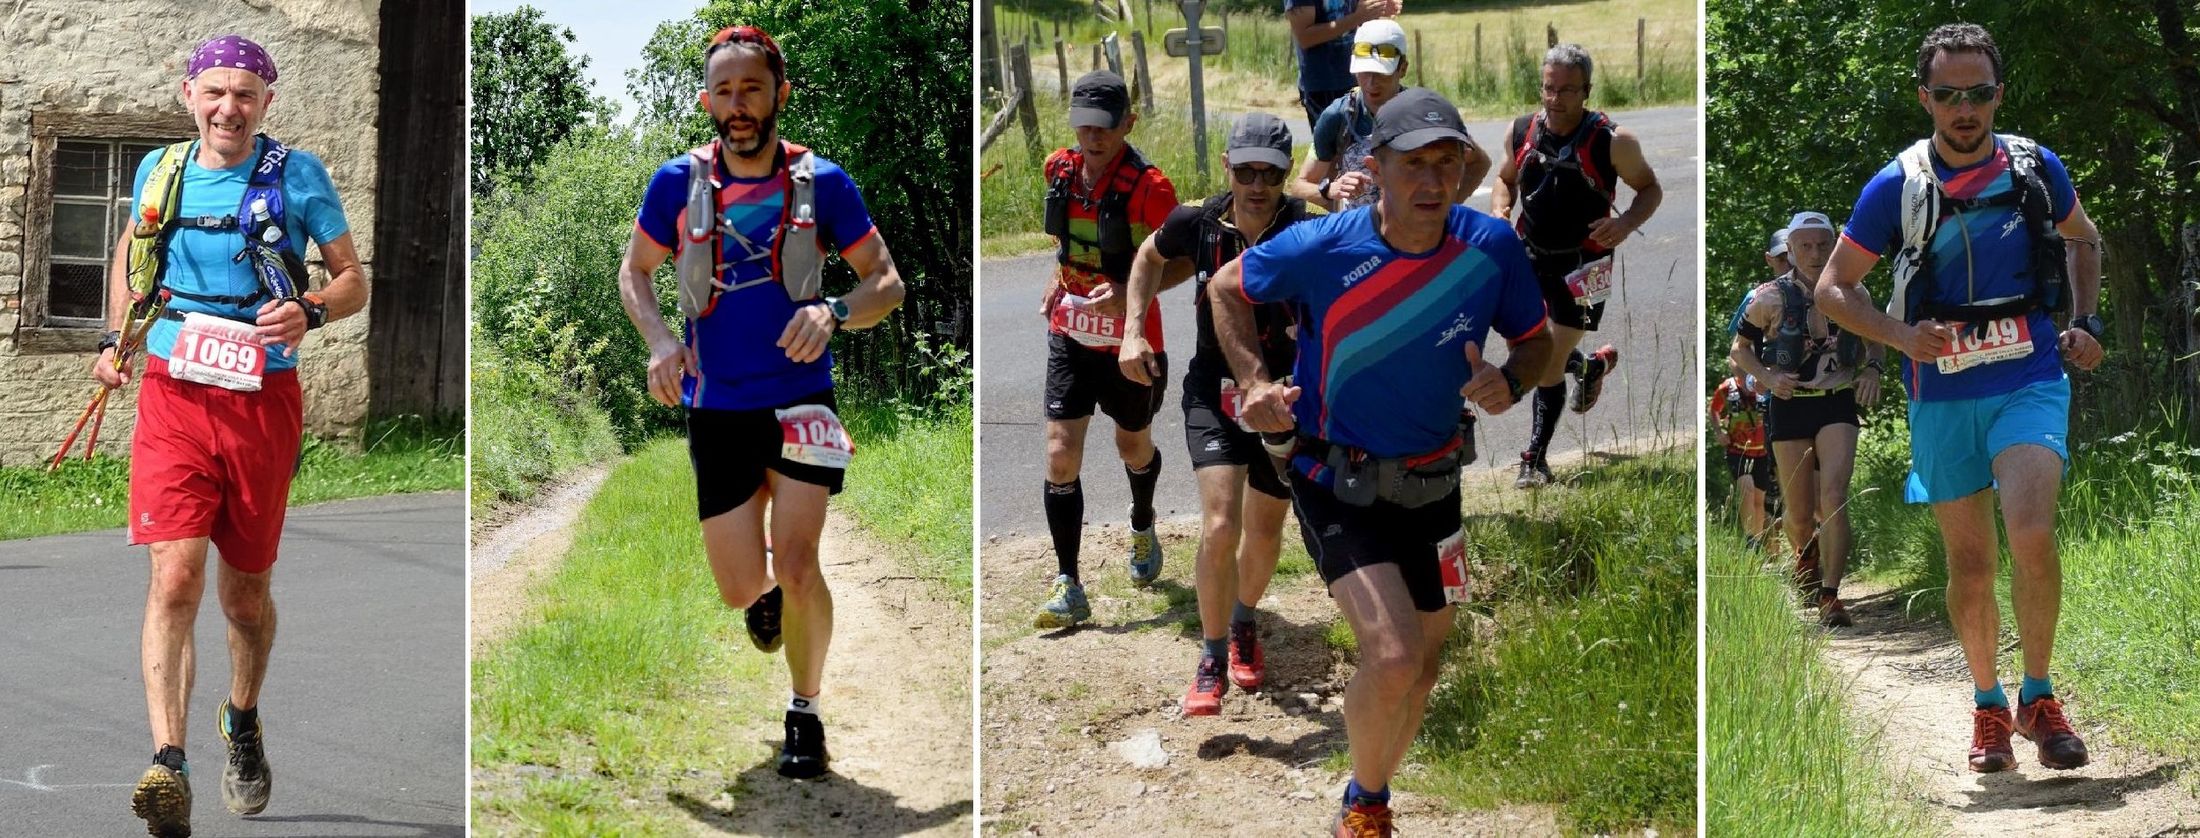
(910, 485)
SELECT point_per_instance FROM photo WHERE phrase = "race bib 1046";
(811, 435)
(1074, 317)
(1451, 560)
(1990, 342)
(1591, 283)
(219, 352)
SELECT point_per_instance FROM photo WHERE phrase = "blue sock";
(1217, 648)
(1241, 613)
(1354, 794)
(1990, 698)
(2033, 688)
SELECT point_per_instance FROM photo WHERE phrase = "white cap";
(1379, 31)
(1811, 221)
(1779, 243)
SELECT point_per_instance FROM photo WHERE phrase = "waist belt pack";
(1360, 479)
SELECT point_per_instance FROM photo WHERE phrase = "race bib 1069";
(1074, 317)
(1591, 283)
(1451, 560)
(1990, 342)
(219, 352)
(811, 435)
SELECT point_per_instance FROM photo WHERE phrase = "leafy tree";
(529, 94)
(881, 87)
(1807, 101)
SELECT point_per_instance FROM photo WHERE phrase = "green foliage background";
(1807, 101)
(528, 94)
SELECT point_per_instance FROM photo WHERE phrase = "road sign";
(1178, 42)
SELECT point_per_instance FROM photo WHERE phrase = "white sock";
(799, 703)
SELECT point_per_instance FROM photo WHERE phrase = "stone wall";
(127, 56)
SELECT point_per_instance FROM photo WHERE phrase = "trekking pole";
(133, 335)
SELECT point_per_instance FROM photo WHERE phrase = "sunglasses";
(1246, 175)
(1983, 94)
(1387, 52)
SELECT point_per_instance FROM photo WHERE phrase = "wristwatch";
(110, 340)
(839, 308)
(1324, 189)
(1513, 384)
(316, 310)
(2091, 323)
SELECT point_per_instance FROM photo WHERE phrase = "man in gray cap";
(1102, 199)
(1394, 302)
(1242, 498)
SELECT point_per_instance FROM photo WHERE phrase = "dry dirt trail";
(898, 686)
(1907, 681)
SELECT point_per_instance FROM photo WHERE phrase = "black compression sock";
(171, 756)
(1065, 505)
(243, 719)
(1550, 403)
(1142, 483)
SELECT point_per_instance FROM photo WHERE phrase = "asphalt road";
(1651, 321)
(364, 705)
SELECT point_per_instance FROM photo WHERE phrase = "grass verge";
(1783, 759)
(1585, 695)
(589, 717)
(529, 426)
(409, 454)
(910, 486)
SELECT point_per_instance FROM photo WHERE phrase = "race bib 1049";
(1074, 317)
(1451, 560)
(1990, 342)
(811, 435)
(1591, 283)
(219, 352)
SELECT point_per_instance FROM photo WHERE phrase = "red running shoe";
(1990, 750)
(1807, 577)
(1247, 670)
(2042, 721)
(1205, 696)
(1362, 820)
(1831, 613)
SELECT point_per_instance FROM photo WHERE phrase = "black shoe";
(1534, 472)
(246, 780)
(803, 757)
(762, 617)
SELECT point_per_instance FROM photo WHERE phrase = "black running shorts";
(1803, 416)
(1550, 276)
(731, 450)
(1343, 538)
(1758, 469)
(1080, 378)
(1215, 440)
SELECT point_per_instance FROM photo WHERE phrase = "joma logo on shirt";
(1361, 271)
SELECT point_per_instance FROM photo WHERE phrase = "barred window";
(91, 208)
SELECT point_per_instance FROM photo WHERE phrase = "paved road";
(1652, 322)
(365, 700)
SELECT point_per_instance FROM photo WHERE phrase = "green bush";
(530, 425)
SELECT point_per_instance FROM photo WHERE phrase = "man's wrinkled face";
(744, 99)
(227, 103)
(1963, 124)
(1418, 186)
(1100, 144)
(1565, 91)
(1809, 250)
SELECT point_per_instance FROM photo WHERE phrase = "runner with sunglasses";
(1562, 168)
(1989, 240)
(754, 373)
(1242, 496)
(1102, 199)
(1336, 177)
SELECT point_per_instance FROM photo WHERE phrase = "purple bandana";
(232, 51)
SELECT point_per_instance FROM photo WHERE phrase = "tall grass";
(910, 486)
(1586, 696)
(529, 426)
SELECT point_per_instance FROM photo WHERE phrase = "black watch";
(110, 340)
(1512, 383)
(316, 311)
(839, 308)
(1324, 190)
(2091, 323)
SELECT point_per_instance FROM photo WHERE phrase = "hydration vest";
(1582, 169)
(1926, 205)
(276, 260)
(1112, 223)
(797, 255)
(1220, 243)
(1786, 347)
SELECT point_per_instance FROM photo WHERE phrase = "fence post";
(1027, 110)
(1061, 66)
(1097, 61)
(1638, 60)
(1420, 60)
(1478, 49)
(1550, 35)
(1145, 77)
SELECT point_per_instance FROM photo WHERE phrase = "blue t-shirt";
(1996, 261)
(1326, 66)
(742, 369)
(1345, 114)
(201, 261)
(1382, 334)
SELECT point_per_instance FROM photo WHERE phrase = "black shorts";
(1803, 416)
(1550, 276)
(731, 450)
(1758, 469)
(1343, 538)
(1217, 441)
(1080, 378)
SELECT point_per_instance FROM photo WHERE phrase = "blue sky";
(610, 34)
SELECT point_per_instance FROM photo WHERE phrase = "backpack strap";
(261, 214)
(157, 206)
(1920, 206)
(798, 255)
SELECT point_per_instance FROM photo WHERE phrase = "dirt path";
(898, 703)
(515, 547)
(1908, 681)
(1069, 716)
